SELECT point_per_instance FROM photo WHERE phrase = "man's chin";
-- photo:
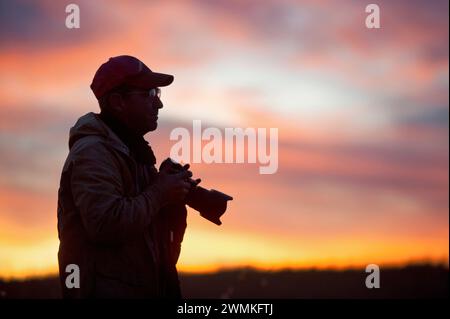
(153, 126)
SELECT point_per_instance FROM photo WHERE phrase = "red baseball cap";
(126, 69)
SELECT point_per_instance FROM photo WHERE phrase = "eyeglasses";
(155, 92)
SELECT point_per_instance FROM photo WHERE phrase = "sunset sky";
(362, 117)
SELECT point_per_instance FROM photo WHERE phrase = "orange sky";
(362, 118)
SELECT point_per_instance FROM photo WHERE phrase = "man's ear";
(115, 103)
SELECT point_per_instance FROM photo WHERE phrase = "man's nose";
(157, 103)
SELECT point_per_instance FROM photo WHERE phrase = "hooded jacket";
(111, 221)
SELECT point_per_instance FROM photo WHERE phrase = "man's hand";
(170, 167)
(174, 187)
(193, 182)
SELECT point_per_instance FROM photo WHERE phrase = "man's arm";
(97, 188)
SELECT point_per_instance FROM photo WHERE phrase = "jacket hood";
(87, 125)
(90, 124)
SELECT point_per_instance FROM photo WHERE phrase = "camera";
(211, 204)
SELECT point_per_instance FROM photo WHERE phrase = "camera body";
(211, 204)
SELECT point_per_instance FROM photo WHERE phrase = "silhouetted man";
(119, 219)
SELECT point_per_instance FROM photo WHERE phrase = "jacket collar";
(138, 147)
(111, 137)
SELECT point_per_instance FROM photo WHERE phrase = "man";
(119, 219)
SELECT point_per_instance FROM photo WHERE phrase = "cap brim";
(151, 79)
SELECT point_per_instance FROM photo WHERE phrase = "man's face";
(140, 109)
